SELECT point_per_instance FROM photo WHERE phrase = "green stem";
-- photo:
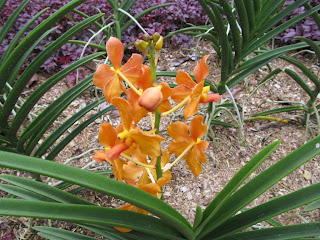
(152, 63)
(157, 126)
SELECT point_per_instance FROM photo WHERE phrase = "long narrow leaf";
(18, 36)
(11, 20)
(2, 3)
(130, 22)
(267, 210)
(87, 214)
(37, 62)
(96, 46)
(49, 192)
(279, 233)
(266, 37)
(7, 67)
(54, 152)
(101, 184)
(260, 184)
(313, 45)
(243, 21)
(42, 89)
(240, 177)
(63, 127)
(295, 76)
(280, 110)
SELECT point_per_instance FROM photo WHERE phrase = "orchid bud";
(141, 45)
(159, 44)
(151, 98)
(146, 37)
(155, 37)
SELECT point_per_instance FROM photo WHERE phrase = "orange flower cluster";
(133, 152)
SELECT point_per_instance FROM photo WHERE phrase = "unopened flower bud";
(141, 45)
(146, 37)
(151, 98)
(159, 44)
(155, 37)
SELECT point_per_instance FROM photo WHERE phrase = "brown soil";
(225, 153)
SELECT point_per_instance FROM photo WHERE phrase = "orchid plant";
(136, 155)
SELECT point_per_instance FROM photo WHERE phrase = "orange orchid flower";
(189, 148)
(147, 142)
(108, 139)
(132, 172)
(145, 85)
(191, 91)
(110, 78)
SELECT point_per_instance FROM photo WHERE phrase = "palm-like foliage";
(218, 221)
(238, 31)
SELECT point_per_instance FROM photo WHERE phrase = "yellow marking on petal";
(112, 68)
(176, 107)
(107, 148)
(198, 140)
(128, 82)
(136, 161)
(206, 89)
(140, 90)
(179, 158)
(124, 134)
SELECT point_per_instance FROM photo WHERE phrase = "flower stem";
(129, 83)
(179, 158)
(176, 107)
(153, 65)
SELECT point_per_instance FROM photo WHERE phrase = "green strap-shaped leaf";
(46, 117)
(248, 4)
(23, 193)
(208, 11)
(97, 24)
(18, 36)
(267, 210)
(88, 214)
(279, 233)
(54, 152)
(243, 21)
(2, 3)
(11, 20)
(267, 36)
(187, 29)
(312, 206)
(315, 16)
(58, 232)
(234, 29)
(280, 110)
(44, 190)
(101, 184)
(37, 62)
(42, 89)
(313, 45)
(7, 67)
(304, 69)
(261, 183)
(48, 142)
(130, 22)
(109, 233)
(239, 178)
(96, 46)
(295, 76)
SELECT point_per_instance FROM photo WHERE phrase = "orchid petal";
(131, 171)
(192, 162)
(196, 128)
(137, 112)
(166, 90)
(197, 91)
(165, 106)
(201, 71)
(145, 81)
(99, 156)
(112, 89)
(124, 111)
(115, 52)
(151, 188)
(132, 69)
(178, 147)
(148, 143)
(103, 75)
(107, 135)
(200, 147)
(180, 92)
(179, 131)
(191, 108)
(183, 78)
